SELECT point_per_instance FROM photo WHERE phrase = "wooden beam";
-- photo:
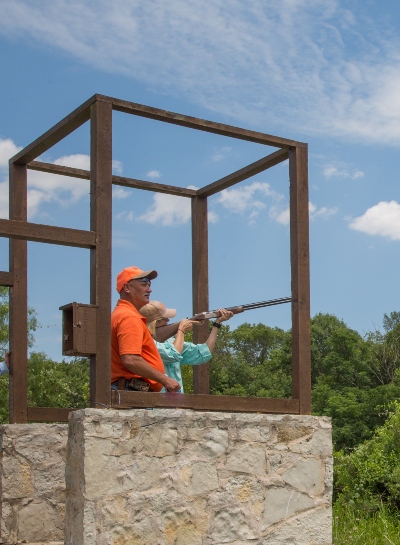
(152, 186)
(116, 180)
(100, 256)
(300, 265)
(6, 278)
(128, 400)
(201, 373)
(244, 173)
(36, 232)
(62, 170)
(200, 124)
(18, 386)
(54, 135)
(49, 414)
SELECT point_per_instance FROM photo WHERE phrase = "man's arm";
(136, 364)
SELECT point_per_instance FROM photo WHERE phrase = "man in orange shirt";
(134, 354)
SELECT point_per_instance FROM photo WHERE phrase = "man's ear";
(126, 288)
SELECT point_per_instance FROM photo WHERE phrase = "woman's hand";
(225, 315)
(186, 325)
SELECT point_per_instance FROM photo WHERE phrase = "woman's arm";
(225, 315)
(184, 326)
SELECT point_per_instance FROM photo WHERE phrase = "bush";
(370, 475)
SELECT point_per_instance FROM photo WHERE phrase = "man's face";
(139, 291)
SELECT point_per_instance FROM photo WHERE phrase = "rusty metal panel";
(300, 265)
(79, 329)
(18, 388)
(6, 278)
(49, 234)
(100, 257)
(123, 399)
(201, 373)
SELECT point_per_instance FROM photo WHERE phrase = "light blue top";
(192, 354)
(3, 368)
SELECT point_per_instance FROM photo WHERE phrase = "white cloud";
(220, 153)
(119, 192)
(212, 217)
(279, 215)
(46, 188)
(324, 212)
(153, 174)
(7, 150)
(331, 171)
(309, 64)
(241, 199)
(382, 219)
(125, 215)
(167, 210)
(4, 199)
(82, 161)
(117, 167)
(283, 215)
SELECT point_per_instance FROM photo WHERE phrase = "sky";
(325, 72)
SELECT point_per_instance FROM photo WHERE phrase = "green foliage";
(354, 527)
(4, 381)
(51, 384)
(33, 323)
(248, 362)
(371, 473)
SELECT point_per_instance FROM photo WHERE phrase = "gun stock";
(215, 313)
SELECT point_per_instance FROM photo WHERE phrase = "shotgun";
(167, 331)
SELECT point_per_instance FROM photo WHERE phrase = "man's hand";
(171, 385)
(137, 365)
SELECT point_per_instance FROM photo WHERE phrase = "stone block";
(180, 477)
(32, 483)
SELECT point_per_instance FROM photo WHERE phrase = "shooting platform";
(98, 111)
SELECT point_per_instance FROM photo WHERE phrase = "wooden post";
(201, 373)
(18, 390)
(300, 264)
(100, 257)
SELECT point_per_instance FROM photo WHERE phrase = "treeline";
(355, 379)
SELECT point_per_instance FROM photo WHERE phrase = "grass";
(355, 528)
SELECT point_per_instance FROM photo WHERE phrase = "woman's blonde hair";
(152, 327)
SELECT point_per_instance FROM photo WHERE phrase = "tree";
(33, 323)
(51, 384)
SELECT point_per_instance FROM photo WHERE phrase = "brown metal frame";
(98, 110)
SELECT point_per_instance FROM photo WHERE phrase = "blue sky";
(323, 72)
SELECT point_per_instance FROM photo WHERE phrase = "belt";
(135, 384)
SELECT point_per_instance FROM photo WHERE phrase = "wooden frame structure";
(98, 110)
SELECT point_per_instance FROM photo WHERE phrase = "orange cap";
(128, 274)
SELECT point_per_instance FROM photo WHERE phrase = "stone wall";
(32, 483)
(180, 477)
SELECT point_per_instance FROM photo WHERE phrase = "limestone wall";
(180, 477)
(32, 483)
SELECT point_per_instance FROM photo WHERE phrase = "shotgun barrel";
(167, 331)
(241, 308)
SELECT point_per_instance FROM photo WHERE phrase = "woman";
(177, 352)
